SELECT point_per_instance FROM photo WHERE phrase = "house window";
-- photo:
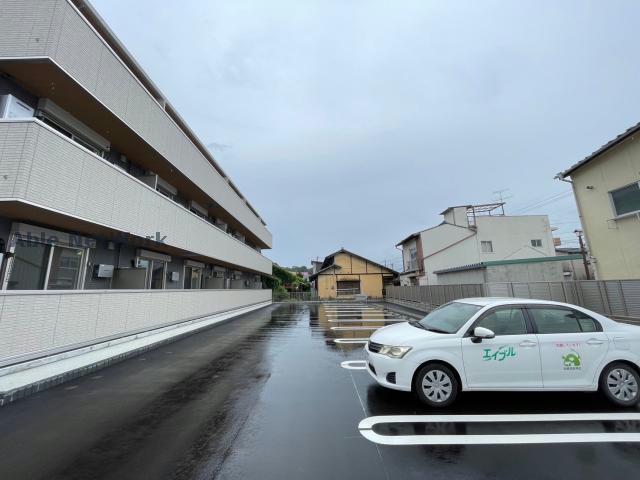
(413, 260)
(536, 242)
(39, 266)
(626, 199)
(486, 246)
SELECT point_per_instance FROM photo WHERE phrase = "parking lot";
(280, 393)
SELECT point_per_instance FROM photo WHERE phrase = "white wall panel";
(37, 323)
(54, 28)
(64, 176)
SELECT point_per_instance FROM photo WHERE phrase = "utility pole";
(583, 252)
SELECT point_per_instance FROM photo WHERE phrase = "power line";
(547, 201)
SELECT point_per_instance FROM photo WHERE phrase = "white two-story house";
(471, 237)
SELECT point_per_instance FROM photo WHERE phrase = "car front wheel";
(620, 383)
(436, 385)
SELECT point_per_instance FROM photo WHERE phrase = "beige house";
(606, 185)
(344, 274)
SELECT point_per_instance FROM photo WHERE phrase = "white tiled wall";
(53, 28)
(34, 323)
(40, 166)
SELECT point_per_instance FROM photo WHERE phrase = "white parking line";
(354, 365)
(366, 320)
(350, 340)
(351, 312)
(366, 429)
(350, 315)
(356, 328)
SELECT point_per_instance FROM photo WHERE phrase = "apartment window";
(536, 242)
(156, 272)
(39, 266)
(164, 191)
(486, 246)
(192, 278)
(626, 199)
(67, 132)
(64, 269)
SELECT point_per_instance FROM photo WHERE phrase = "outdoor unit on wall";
(12, 107)
(103, 271)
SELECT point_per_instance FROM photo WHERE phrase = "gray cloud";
(355, 123)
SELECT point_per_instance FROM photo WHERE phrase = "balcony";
(49, 43)
(44, 171)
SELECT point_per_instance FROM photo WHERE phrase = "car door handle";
(594, 341)
(528, 344)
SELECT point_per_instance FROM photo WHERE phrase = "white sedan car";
(507, 344)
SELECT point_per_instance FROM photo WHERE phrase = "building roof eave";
(606, 147)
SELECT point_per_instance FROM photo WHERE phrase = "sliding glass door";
(38, 266)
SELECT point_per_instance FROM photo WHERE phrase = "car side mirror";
(480, 332)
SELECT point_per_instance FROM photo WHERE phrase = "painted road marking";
(366, 429)
(354, 365)
(350, 315)
(365, 320)
(356, 328)
(351, 312)
(350, 340)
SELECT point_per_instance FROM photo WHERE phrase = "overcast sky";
(354, 124)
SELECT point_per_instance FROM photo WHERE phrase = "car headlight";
(394, 352)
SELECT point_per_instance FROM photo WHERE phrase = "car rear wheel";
(620, 383)
(436, 385)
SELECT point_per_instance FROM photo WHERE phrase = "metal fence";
(295, 296)
(616, 298)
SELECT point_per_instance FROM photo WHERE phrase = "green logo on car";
(572, 361)
(501, 354)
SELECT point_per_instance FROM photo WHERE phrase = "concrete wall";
(55, 29)
(525, 272)
(463, 251)
(462, 278)
(614, 243)
(45, 168)
(38, 323)
(511, 236)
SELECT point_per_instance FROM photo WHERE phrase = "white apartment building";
(471, 235)
(114, 217)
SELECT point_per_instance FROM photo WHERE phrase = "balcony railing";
(50, 171)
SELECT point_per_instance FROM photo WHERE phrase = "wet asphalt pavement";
(264, 396)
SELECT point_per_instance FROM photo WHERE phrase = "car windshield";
(449, 318)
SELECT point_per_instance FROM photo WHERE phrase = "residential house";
(472, 235)
(344, 274)
(606, 185)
